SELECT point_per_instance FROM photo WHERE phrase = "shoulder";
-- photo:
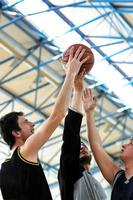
(117, 175)
(25, 160)
(10, 155)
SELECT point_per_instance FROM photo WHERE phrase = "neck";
(17, 144)
(129, 170)
(14, 147)
(86, 166)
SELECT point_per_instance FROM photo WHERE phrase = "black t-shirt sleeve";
(69, 161)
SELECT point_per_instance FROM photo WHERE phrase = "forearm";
(104, 161)
(63, 98)
(77, 101)
(93, 134)
(48, 127)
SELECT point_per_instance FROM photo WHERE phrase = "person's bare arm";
(30, 149)
(104, 161)
(78, 92)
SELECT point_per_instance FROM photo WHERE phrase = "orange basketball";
(88, 64)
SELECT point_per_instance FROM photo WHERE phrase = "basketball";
(88, 64)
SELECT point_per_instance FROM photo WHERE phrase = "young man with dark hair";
(121, 180)
(75, 180)
(21, 176)
(9, 123)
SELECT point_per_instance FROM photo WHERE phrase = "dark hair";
(85, 159)
(8, 123)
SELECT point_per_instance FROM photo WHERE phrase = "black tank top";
(122, 189)
(23, 180)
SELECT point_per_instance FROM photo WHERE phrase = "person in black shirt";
(21, 175)
(75, 180)
(121, 180)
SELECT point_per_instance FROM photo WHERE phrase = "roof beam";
(76, 29)
(113, 1)
(32, 60)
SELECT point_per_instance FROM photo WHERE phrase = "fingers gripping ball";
(88, 64)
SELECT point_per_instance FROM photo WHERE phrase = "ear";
(16, 134)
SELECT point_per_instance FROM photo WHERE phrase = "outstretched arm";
(69, 170)
(104, 161)
(30, 149)
(71, 134)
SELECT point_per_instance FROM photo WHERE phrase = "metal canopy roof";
(32, 39)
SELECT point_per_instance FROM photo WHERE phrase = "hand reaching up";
(89, 102)
(75, 61)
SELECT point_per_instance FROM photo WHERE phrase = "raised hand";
(89, 102)
(75, 61)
